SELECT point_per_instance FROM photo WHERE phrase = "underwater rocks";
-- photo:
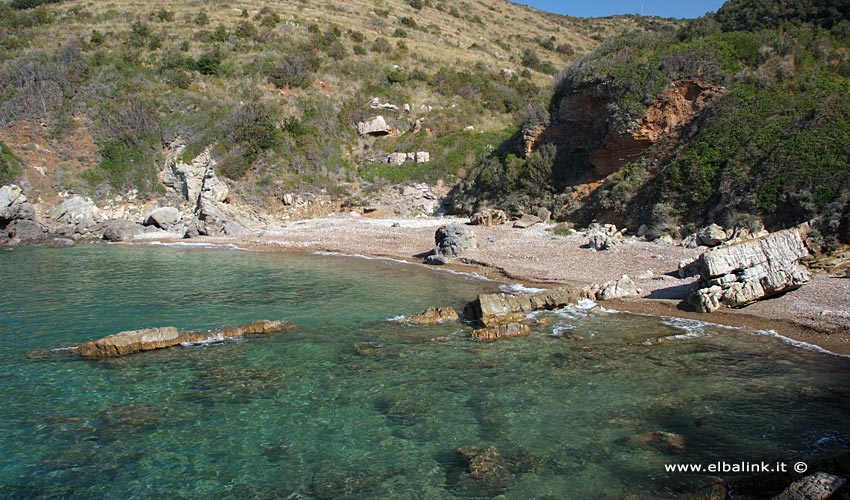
(739, 274)
(133, 341)
(662, 441)
(501, 331)
(482, 471)
(818, 486)
(430, 316)
(498, 308)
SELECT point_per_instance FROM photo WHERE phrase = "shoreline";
(818, 313)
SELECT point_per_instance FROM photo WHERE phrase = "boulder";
(498, 308)
(711, 235)
(603, 237)
(375, 126)
(436, 260)
(497, 332)
(544, 215)
(688, 268)
(820, 486)
(61, 243)
(454, 239)
(11, 195)
(430, 316)
(396, 159)
(120, 230)
(163, 217)
(619, 289)
(741, 273)
(422, 157)
(691, 241)
(78, 212)
(527, 221)
(24, 232)
(133, 341)
(488, 217)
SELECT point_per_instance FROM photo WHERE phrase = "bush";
(29, 4)
(10, 165)
(292, 71)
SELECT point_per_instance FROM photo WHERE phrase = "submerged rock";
(820, 486)
(500, 331)
(483, 471)
(497, 308)
(430, 316)
(741, 273)
(133, 341)
(662, 441)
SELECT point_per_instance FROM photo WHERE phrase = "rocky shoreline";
(644, 273)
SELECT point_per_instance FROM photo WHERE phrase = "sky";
(601, 8)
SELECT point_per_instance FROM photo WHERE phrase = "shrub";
(29, 4)
(209, 62)
(292, 71)
(10, 166)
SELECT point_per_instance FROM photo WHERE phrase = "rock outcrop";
(77, 216)
(17, 218)
(133, 341)
(375, 126)
(497, 332)
(741, 273)
(488, 217)
(430, 316)
(661, 441)
(163, 217)
(121, 230)
(492, 309)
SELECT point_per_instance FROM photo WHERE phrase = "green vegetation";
(10, 166)
(772, 146)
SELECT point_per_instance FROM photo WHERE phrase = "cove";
(348, 405)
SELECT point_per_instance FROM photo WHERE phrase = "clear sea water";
(348, 405)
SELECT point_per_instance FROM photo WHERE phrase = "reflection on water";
(351, 406)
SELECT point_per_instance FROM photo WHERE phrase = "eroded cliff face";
(585, 121)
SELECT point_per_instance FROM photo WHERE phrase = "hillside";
(739, 118)
(98, 96)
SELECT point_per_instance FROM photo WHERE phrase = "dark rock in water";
(120, 230)
(134, 341)
(820, 486)
(497, 308)
(501, 331)
(236, 386)
(366, 348)
(481, 471)
(662, 441)
(406, 410)
(520, 460)
(341, 484)
(454, 239)
(430, 316)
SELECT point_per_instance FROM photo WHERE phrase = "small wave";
(400, 317)
(585, 304)
(559, 331)
(799, 343)
(215, 339)
(518, 288)
(64, 349)
(184, 244)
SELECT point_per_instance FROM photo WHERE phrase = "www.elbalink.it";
(737, 467)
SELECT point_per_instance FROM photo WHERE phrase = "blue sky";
(601, 8)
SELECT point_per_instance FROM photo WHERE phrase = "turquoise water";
(351, 406)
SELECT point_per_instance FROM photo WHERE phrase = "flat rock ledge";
(494, 309)
(133, 341)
